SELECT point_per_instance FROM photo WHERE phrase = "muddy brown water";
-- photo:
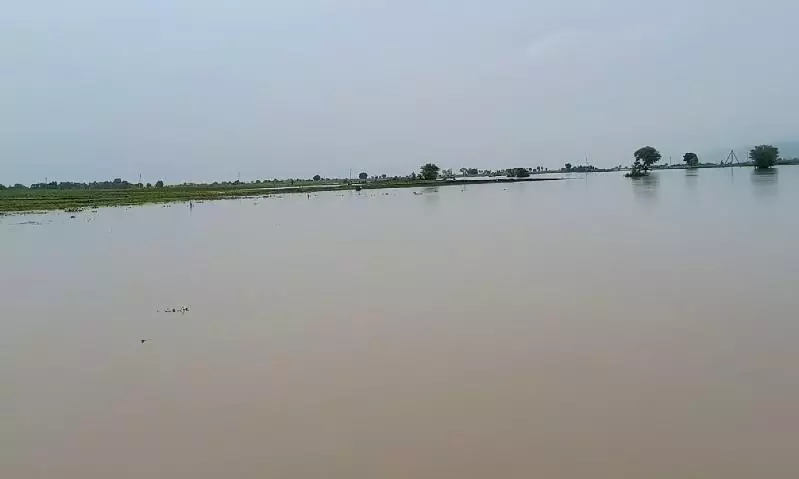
(598, 327)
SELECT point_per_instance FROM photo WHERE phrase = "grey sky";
(199, 90)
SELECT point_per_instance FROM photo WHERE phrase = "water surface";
(598, 327)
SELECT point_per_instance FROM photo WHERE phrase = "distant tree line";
(117, 183)
(645, 159)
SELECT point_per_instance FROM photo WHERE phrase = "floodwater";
(599, 327)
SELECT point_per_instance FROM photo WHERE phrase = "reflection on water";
(551, 332)
(691, 179)
(764, 181)
(646, 187)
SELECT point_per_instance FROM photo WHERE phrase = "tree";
(644, 159)
(149, 185)
(430, 171)
(2, 186)
(159, 184)
(568, 166)
(317, 178)
(363, 176)
(764, 156)
(691, 160)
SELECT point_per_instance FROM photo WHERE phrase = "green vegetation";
(518, 173)
(66, 196)
(568, 166)
(764, 156)
(430, 171)
(363, 176)
(691, 160)
(645, 158)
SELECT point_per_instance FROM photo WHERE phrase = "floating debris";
(182, 309)
(72, 217)
(145, 340)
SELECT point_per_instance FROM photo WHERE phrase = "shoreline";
(36, 201)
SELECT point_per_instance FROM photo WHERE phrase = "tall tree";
(764, 156)
(362, 176)
(691, 159)
(317, 178)
(159, 184)
(430, 171)
(568, 166)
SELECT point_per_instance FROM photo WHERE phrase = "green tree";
(644, 159)
(362, 176)
(568, 166)
(159, 184)
(149, 185)
(519, 172)
(317, 178)
(430, 171)
(764, 156)
(691, 160)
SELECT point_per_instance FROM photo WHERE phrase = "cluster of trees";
(761, 156)
(518, 172)
(764, 156)
(430, 171)
(568, 167)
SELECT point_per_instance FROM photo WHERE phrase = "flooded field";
(597, 327)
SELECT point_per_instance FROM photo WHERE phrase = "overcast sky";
(193, 90)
